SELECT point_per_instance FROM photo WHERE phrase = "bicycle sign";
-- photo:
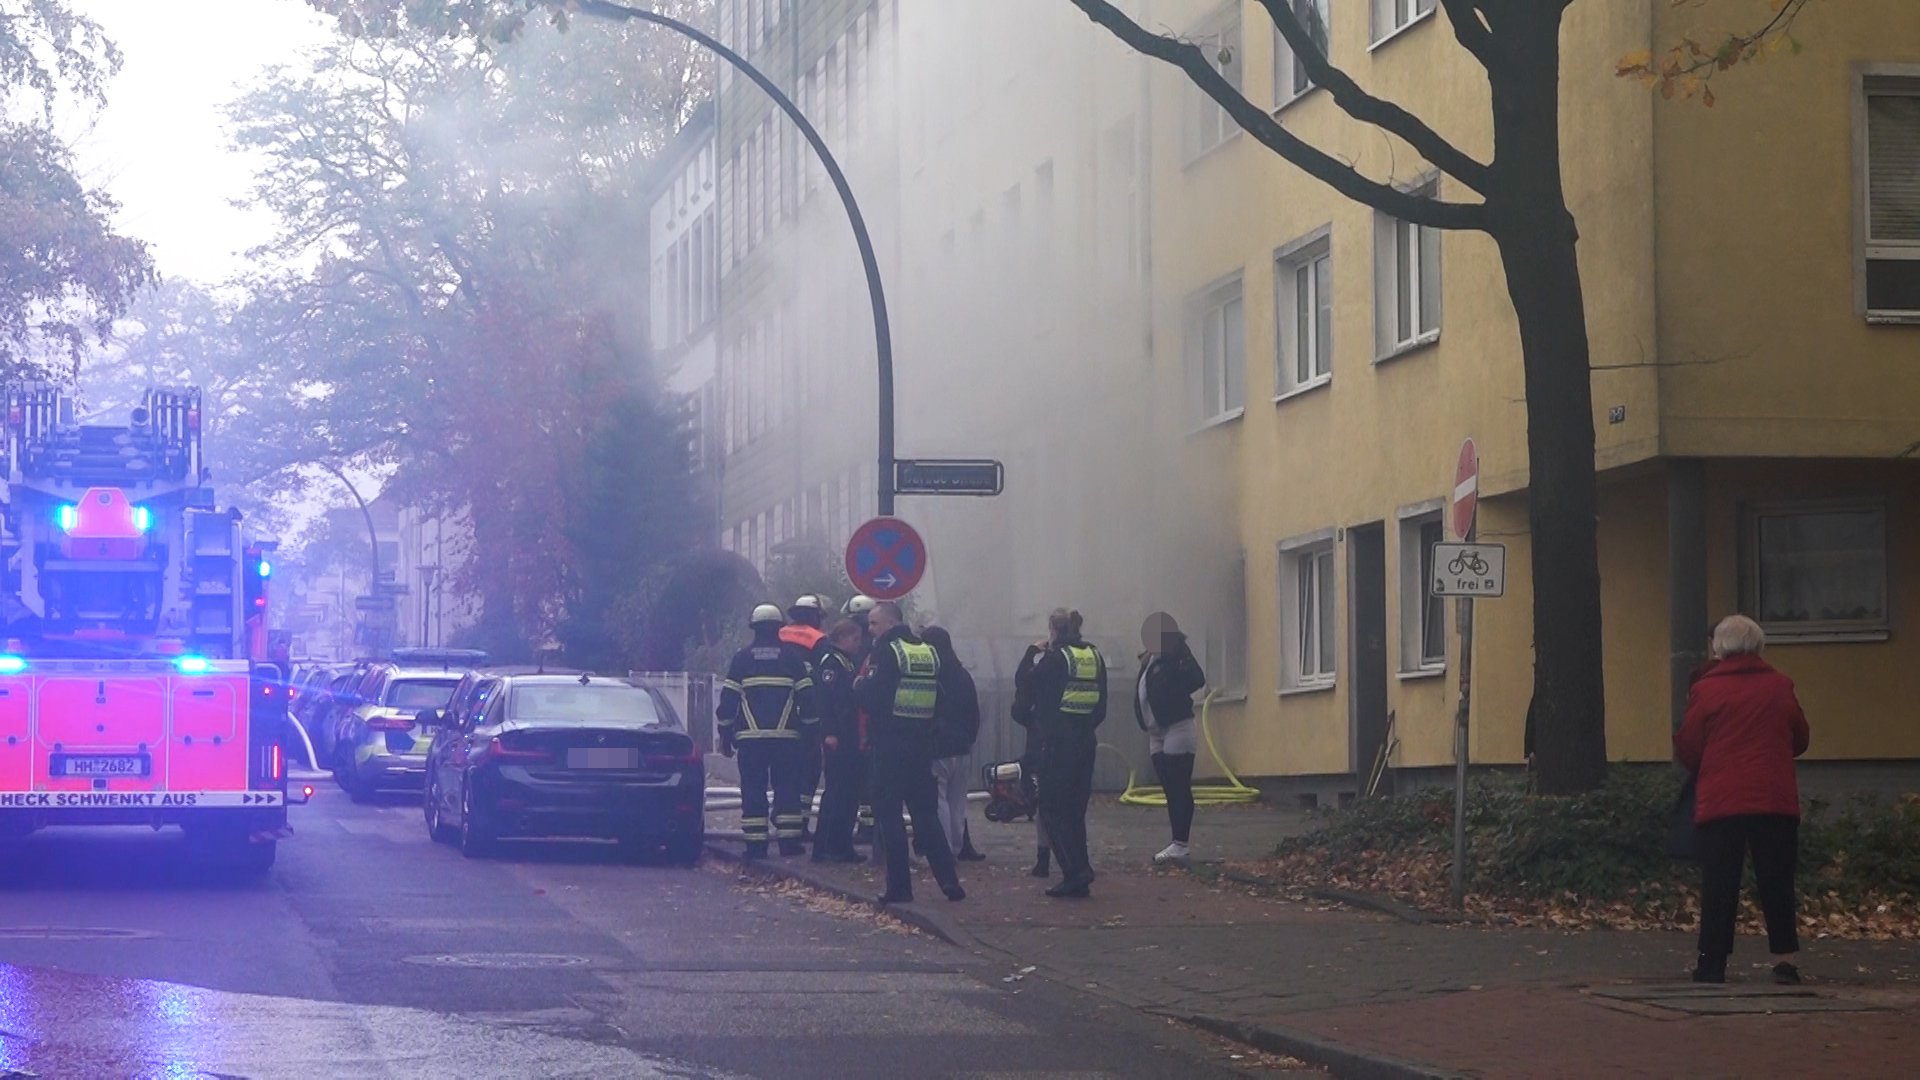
(1469, 570)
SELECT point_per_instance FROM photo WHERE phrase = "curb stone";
(909, 915)
(1365, 901)
(1350, 1063)
(1347, 1062)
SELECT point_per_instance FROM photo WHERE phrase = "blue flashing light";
(192, 665)
(12, 665)
(266, 568)
(67, 516)
(142, 518)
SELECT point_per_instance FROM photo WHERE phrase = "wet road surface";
(370, 951)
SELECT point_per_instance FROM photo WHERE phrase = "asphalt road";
(370, 951)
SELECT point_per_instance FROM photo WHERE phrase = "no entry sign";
(886, 558)
(1466, 490)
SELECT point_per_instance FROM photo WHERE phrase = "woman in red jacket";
(1743, 729)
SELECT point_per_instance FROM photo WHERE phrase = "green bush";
(1609, 844)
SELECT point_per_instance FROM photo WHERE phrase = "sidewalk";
(1369, 994)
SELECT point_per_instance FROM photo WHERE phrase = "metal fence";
(692, 694)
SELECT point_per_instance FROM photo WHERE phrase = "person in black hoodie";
(1070, 703)
(956, 724)
(1163, 704)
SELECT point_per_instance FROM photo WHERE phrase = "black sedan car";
(543, 755)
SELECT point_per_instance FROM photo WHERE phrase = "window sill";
(1222, 420)
(1789, 636)
(1307, 688)
(1399, 30)
(1425, 341)
(1893, 318)
(1202, 155)
(1229, 697)
(1320, 383)
(1295, 99)
(1419, 674)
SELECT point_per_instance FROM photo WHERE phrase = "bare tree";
(1521, 203)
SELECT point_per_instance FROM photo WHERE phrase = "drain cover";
(499, 961)
(72, 933)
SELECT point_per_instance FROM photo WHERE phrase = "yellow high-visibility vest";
(1082, 694)
(919, 685)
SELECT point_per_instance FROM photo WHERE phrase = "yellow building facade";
(1752, 281)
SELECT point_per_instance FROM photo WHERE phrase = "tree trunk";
(1537, 237)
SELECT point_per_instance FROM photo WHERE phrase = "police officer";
(1070, 701)
(898, 692)
(804, 618)
(845, 761)
(766, 711)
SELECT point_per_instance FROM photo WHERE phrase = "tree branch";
(1369, 109)
(1472, 34)
(1254, 120)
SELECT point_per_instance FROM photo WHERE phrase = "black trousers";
(811, 769)
(845, 770)
(1066, 786)
(1775, 842)
(1176, 779)
(903, 778)
(770, 763)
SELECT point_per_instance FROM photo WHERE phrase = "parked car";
(377, 743)
(539, 755)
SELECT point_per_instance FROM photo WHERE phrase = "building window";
(1307, 615)
(1217, 348)
(1392, 16)
(1817, 570)
(1892, 171)
(1208, 124)
(1423, 616)
(1303, 283)
(1225, 646)
(1289, 75)
(1406, 260)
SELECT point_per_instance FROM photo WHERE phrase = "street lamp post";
(882, 332)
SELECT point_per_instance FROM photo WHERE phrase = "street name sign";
(948, 477)
(373, 603)
(886, 558)
(1469, 570)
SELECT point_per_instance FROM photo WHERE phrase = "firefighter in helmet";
(805, 617)
(857, 609)
(766, 713)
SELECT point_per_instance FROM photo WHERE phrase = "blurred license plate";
(597, 758)
(101, 765)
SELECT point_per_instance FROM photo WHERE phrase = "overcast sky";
(160, 147)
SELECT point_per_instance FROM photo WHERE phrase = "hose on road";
(1231, 793)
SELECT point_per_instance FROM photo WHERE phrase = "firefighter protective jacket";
(768, 693)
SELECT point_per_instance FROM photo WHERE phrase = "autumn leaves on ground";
(1594, 861)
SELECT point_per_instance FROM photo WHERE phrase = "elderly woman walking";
(1743, 729)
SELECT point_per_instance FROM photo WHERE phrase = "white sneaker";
(1174, 853)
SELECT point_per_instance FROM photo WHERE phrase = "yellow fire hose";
(1231, 793)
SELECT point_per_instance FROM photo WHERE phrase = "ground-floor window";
(1817, 570)
(1423, 623)
(1307, 597)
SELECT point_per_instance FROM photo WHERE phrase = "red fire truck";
(135, 682)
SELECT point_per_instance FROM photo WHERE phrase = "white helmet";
(809, 602)
(766, 613)
(859, 605)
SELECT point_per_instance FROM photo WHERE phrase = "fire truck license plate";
(101, 765)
